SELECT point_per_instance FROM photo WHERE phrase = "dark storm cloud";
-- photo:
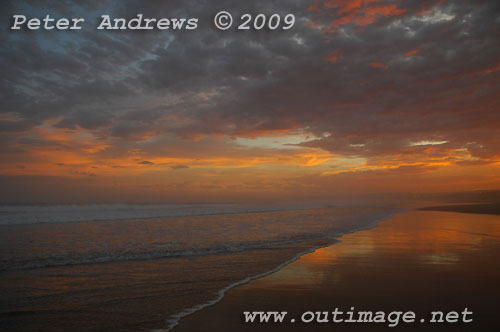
(367, 78)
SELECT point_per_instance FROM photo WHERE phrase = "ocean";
(143, 267)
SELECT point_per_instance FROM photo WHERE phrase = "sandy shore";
(486, 208)
(420, 261)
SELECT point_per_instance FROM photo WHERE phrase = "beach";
(143, 274)
(236, 166)
(200, 273)
(417, 261)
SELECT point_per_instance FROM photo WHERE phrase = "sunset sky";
(359, 97)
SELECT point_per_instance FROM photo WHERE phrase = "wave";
(37, 263)
(173, 320)
(37, 246)
(39, 214)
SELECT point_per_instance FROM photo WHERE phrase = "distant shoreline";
(483, 208)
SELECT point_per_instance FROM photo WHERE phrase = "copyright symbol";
(223, 20)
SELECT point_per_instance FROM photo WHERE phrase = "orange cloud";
(427, 7)
(359, 12)
(52, 151)
(492, 69)
(377, 65)
(411, 53)
(333, 57)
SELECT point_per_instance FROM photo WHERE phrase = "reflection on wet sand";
(420, 261)
(430, 238)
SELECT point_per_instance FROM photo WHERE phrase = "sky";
(359, 97)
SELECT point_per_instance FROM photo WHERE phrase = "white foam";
(173, 320)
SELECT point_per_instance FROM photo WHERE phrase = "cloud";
(475, 162)
(411, 52)
(363, 79)
(377, 65)
(179, 166)
(357, 12)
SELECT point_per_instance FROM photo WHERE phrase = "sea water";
(142, 267)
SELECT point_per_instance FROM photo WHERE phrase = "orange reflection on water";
(414, 240)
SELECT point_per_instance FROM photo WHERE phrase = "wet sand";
(420, 261)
